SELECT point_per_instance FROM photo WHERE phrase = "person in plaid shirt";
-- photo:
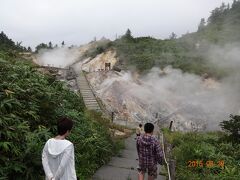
(149, 153)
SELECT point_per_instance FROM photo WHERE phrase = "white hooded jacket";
(58, 160)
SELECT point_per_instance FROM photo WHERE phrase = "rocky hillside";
(200, 70)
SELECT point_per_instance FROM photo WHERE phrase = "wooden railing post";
(172, 167)
(170, 127)
(112, 116)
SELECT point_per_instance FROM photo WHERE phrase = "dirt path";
(123, 167)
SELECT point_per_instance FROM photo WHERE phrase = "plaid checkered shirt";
(149, 151)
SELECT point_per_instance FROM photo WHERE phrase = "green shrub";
(30, 104)
(232, 127)
(204, 147)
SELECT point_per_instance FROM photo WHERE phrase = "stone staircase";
(87, 94)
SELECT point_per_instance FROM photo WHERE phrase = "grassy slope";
(145, 53)
(202, 148)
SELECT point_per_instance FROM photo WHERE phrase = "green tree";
(50, 45)
(201, 24)
(41, 46)
(173, 36)
(232, 127)
(128, 34)
(8, 44)
(29, 49)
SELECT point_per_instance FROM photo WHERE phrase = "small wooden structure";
(107, 66)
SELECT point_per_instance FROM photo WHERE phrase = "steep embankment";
(99, 62)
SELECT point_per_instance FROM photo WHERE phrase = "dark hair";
(64, 124)
(148, 128)
(140, 125)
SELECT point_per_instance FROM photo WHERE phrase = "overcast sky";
(79, 21)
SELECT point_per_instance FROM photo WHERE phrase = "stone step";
(89, 100)
(86, 92)
(89, 95)
(83, 85)
(93, 107)
(83, 89)
(91, 103)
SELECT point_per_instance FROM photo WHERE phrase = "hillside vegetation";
(187, 53)
(30, 104)
(211, 155)
(223, 25)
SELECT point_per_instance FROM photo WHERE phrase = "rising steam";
(192, 101)
(195, 102)
(58, 57)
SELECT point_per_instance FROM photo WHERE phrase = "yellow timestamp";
(208, 164)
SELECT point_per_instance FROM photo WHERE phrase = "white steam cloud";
(227, 56)
(59, 57)
(198, 103)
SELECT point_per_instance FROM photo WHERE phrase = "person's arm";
(45, 164)
(68, 154)
(159, 153)
(137, 131)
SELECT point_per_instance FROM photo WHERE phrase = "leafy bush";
(232, 127)
(97, 48)
(30, 104)
(202, 148)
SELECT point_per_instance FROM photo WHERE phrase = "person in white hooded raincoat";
(58, 154)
